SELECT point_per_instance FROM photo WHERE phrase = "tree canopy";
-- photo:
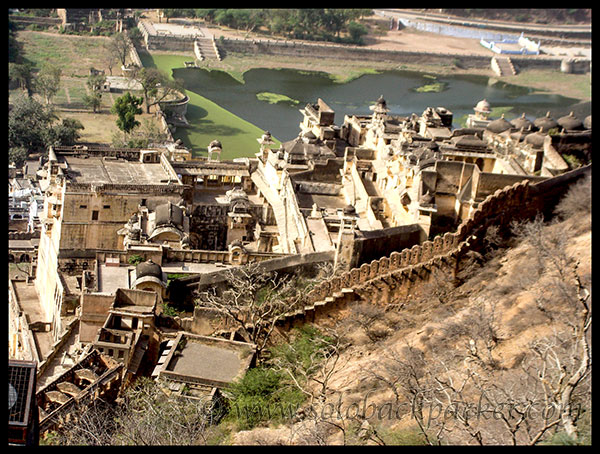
(156, 85)
(118, 46)
(127, 107)
(327, 24)
(47, 82)
(94, 83)
(33, 127)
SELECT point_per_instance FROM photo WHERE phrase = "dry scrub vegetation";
(502, 358)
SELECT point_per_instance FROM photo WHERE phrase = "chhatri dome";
(483, 107)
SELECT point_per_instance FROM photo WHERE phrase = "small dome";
(483, 106)
(546, 122)
(521, 133)
(433, 146)
(236, 194)
(536, 139)
(570, 122)
(468, 140)
(148, 268)
(499, 125)
(237, 243)
(587, 122)
(521, 122)
(427, 198)
(215, 144)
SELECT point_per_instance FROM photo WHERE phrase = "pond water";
(460, 95)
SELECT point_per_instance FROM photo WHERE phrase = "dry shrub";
(577, 201)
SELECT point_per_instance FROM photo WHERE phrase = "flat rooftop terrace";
(112, 278)
(114, 171)
(208, 360)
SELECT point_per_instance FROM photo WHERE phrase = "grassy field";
(74, 54)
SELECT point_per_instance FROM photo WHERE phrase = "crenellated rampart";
(385, 280)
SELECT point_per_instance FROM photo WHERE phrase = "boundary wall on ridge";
(386, 280)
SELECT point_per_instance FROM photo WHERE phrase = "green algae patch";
(275, 98)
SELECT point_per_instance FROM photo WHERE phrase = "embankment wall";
(349, 52)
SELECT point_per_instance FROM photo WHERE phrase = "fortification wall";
(27, 20)
(23, 235)
(376, 244)
(387, 279)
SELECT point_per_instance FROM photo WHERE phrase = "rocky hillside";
(500, 355)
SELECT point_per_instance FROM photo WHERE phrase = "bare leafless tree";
(87, 423)
(147, 415)
(466, 395)
(438, 287)
(366, 316)
(253, 301)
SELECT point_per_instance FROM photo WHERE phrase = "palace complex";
(119, 228)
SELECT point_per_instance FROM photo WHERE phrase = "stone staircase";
(503, 66)
(206, 49)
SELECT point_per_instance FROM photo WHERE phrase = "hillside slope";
(485, 362)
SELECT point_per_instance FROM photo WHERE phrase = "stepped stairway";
(503, 66)
(205, 49)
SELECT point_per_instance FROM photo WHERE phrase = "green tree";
(262, 396)
(29, 123)
(207, 14)
(17, 156)
(126, 107)
(65, 133)
(170, 12)
(94, 83)
(93, 100)
(135, 35)
(356, 31)
(14, 46)
(156, 85)
(22, 73)
(47, 82)
(33, 127)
